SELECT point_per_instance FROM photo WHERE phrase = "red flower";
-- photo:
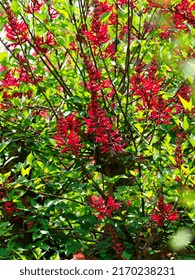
(147, 85)
(100, 126)
(105, 208)
(184, 14)
(13, 78)
(16, 31)
(98, 123)
(163, 212)
(42, 44)
(93, 72)
(68, 137)
(34, 6)
(98, 34)
(9, 206)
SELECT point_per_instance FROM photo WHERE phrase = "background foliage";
(97, 129)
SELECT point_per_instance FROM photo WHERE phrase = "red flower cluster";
(93, 72)
(105, 208)
(117, 246)
(42, 44)
(16, 31)
(163, 212)
(34, 6)
(98, 33)
(99, 125)
(95, 84)
(9, 206)
(13, 78)
(68, 137)
(184, 14)
(147, 85)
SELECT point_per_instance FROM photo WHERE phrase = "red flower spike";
(16, 31)
(146, 84)
(41, 43)
(184, 15)
(105, 208)
(98, 34)
(100, 126)
(34, 6)
(68, 137)
(163, 212)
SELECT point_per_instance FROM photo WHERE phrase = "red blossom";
(100, 126)
(110, 50)
(105, 208)
(98, 33)
(116, 243)
(34, 6)
(42, 44)
(16, 31)
(92, 70)
(68, 137)
(9, 206)
(184, 14)
(52, 12)
(78, 256)
(146, 84)
(13, 79)
(163, 212)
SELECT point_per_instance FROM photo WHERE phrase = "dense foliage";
(97, 129)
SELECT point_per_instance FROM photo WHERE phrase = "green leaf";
(16, 102)
(55, 257)
(26, 171)
(104, 17)
(3, 56)
(185, 123)
(4, 145)
(15, 6)
(30, 158)
(4, 228)
(185, 103)
(192, 140)
(126, 255)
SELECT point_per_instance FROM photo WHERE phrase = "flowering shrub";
(97, 129)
